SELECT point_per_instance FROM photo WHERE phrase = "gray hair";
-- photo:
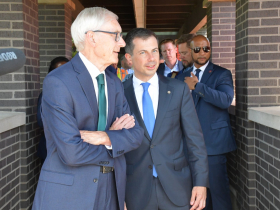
(89, 19)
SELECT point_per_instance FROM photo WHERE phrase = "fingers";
(126, 121)
(202, 204)
(193, 200)
(198, 199)
(192, 74)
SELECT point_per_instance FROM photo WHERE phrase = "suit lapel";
(206, 74)
(87, 86)
(130, 96)
(111, 102)
(165, 95)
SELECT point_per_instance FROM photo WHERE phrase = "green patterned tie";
(101, 103)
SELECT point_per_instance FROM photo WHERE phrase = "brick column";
(19, 92)
(221, 33)
(257, 84)
(54, 33)
(221, 20)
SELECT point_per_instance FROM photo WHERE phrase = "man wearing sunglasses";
(212, 92)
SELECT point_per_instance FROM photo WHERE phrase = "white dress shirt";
(153, 91)
(94, 72)
(202, 68)
(167, 70)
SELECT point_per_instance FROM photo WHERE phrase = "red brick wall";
(19, 29)
(221, 33)
(54, 33)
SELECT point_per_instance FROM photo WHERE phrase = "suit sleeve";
(125, 140)
(197, 154)
(223, 93)
(61, 126)
(39, 118)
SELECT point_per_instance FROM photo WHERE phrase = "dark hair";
(55, 61)
(142, 33)
(185, 38)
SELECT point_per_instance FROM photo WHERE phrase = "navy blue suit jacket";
(213, 95)
(161, 69)
(41, 149)
(176, 125)
(68, 106)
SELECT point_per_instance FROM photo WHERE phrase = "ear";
(128, 57)
(90, 37)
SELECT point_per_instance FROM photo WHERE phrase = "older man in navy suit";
(159, 175)
(87, 122)
(212, 92)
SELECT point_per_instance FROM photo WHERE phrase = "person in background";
(41, 149)
(212, 93)
(184, 50)
(172, 64)
(126, 65)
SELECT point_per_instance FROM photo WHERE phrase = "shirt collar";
(176, 64)
(202, 68)
(153, 81)
(92, 69)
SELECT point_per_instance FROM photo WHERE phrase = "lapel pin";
(168, 91)
(210, 71)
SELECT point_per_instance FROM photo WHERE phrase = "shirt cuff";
(109, 147)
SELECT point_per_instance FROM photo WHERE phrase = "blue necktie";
(148, 114)
(197, 71)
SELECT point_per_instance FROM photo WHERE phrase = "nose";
(151, 57)
(201, 52)
(121, 42)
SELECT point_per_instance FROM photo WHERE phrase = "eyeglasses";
(205, 49)
(118, 34)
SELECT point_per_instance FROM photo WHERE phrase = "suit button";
(95, 180)
(152, 146)
(150, 167)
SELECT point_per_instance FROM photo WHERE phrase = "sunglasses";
(205, 49)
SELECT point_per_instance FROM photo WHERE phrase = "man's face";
(185, 55)
(106, 48)
(145, 58)
(168, 51)
(200, 58)
(126, 64)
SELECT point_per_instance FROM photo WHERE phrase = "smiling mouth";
(151, 66)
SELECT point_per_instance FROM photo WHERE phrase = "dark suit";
(161, 69)
(213, 95)
(41, 150)
(176, 124)
(71, 174)
(111, 69)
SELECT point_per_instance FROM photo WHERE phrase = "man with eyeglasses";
(184, 49)
(172, 66)
(87, 122)
(212, 92)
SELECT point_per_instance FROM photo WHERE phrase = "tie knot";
(197, 71)
(145, 85)
(100, 79)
